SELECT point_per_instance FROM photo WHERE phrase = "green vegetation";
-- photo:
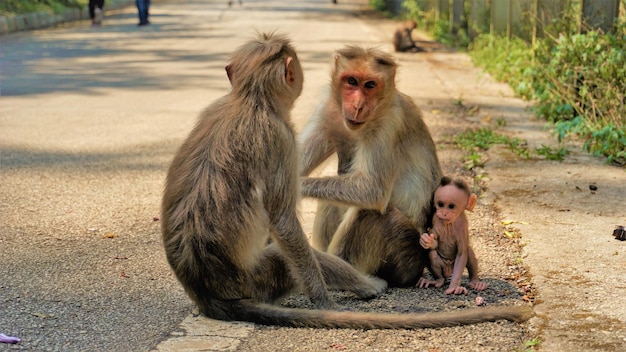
(474, 142)
(577, 81)
(14, 7)
(438, 26)
(530, 345)
(578, 84)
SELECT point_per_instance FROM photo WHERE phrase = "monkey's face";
(359, 96)
(450, 202)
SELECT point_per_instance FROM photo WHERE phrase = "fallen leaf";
(109, 235)
(510, 234)
(155, 218)
(43, 315)
(123, 274)
(337, 346)
(509, 222)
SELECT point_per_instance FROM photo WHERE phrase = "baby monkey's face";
(450, 202)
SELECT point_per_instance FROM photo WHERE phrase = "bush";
(580, 86)
(578, 83)
(508, 60)
(11, 7)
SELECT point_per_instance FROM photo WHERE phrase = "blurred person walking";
(143, 7)
(96, 12)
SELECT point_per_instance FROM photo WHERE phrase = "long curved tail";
(267, 314)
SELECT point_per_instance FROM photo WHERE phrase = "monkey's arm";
(349, 189)
(368, 184)
(315, 149)
(313, 141)
(428, 241)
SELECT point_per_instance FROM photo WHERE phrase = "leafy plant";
(577, 81)
(551, 154)
(11, 7)
(426, 14)
(508, 60)
(476, 141)
(379, 5)
(530, 345)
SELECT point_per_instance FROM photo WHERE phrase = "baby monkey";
(450, 252)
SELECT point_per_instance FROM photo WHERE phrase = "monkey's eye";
(370, 84)
(451, 206)
(440, 205)
(352, 81)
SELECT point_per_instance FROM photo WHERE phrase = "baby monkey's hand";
(428, 241)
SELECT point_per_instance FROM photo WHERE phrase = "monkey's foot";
(374, 287)
(325, 303)
(425, 283)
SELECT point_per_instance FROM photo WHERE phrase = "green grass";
(16, 7)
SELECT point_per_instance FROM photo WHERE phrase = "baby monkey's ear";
(471, 202)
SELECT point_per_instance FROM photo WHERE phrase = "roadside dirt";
(538, 225)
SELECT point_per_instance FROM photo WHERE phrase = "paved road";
(89, 121)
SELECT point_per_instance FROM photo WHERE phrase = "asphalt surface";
(90, 119)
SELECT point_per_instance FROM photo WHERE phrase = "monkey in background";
(403, 39)
(450, 251)
(233, 184)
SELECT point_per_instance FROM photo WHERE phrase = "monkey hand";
(428, 241)
(456, 290)
(478, 285)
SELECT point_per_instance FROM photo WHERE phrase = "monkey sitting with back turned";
(402, 38)
(450, 252)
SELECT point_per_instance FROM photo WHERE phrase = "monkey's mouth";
(353, 125)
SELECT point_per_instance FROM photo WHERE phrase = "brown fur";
(403, 39)
(233, 184)
(373, 212)
(450, 250)
(388, 169)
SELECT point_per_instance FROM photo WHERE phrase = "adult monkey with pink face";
(450, 251)
(373, 212)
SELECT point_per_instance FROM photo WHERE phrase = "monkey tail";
(266, 314)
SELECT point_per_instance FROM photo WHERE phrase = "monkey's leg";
(339, 274)
(327, 220)
(385, 245)
(472, 270)
(270, 280)
(300, 260)
(437, 268)
(339, 237)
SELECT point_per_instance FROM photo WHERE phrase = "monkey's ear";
(229, 73)
(471, 202)
(336, 59)
(290, 74)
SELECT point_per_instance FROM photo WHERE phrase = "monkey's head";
(362, 82)
(451, 199)
(267, 66)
